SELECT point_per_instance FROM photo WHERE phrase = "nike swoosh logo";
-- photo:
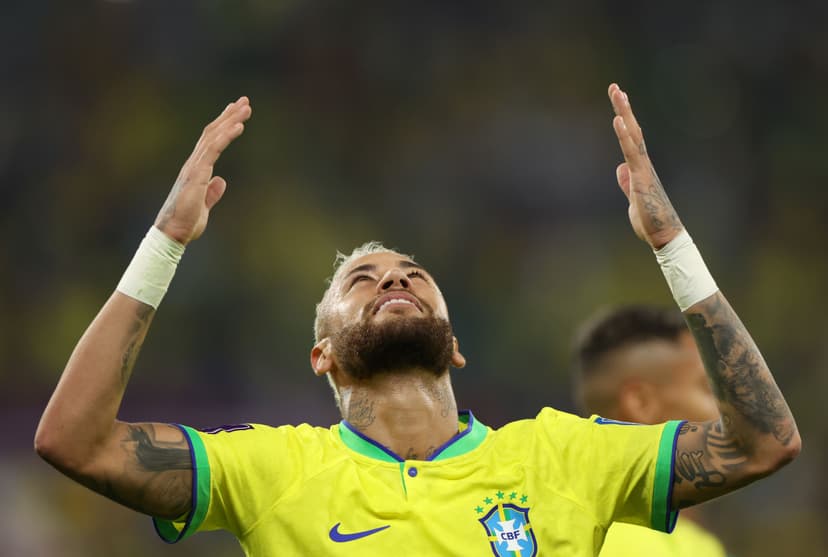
(336, 536)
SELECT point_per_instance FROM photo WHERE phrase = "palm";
(187, 208)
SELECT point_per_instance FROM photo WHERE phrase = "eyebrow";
(370, 267)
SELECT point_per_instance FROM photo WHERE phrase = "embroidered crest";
(507, 526)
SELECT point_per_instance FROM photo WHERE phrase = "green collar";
(465, 441)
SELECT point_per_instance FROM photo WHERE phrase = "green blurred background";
(475, 135)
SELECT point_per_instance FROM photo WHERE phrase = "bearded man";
(404, 471)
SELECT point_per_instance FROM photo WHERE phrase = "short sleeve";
(621, 471)
(238, 472)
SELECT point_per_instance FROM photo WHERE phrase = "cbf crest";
(507, 525)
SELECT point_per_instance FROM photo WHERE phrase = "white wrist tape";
(685, 271)
(152, 268)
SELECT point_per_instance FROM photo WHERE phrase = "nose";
(394, 278)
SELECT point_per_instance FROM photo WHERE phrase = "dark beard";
(366, 350)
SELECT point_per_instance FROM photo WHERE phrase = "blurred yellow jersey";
(687, 540)
(546, 486)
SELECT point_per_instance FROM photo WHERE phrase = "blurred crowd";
(477, 137)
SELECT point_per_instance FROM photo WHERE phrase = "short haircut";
(321, 325)
(609, 331)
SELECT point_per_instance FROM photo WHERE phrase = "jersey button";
(412, 472)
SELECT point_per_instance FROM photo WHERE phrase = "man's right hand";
(184, 214)
(144, 466)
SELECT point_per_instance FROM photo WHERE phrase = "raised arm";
(144, 466)
(756, 433)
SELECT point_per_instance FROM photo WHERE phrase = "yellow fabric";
(282, 490)
(687, 540)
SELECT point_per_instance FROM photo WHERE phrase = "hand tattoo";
(657, 205)
(168, 209)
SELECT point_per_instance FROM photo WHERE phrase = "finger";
(214, 139)
(230, 112)
(226, 123)
(611, 92)
(622, 174)
(214, 142)
(215, 189)
(630, 150)
(213, 149)
(621, 106)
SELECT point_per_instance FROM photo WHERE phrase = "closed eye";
(360, 278)
(417, 274)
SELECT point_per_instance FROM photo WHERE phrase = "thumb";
(622, 174)
(215, 189)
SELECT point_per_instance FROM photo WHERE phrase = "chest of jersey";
(420, 508)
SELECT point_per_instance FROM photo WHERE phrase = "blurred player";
(404, 471)
(640, 364)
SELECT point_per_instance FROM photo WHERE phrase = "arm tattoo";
(162, 483)
(741, 379)
(157, 456)
(695, 465)
(707, 461)
(713, 458)
(657, 204)
(156, 478)
(143, 317)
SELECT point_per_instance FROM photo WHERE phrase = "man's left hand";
(652, 216)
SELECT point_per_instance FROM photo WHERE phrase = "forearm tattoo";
(711, 457)
(738, 373)
(157, 477)
(143, 317)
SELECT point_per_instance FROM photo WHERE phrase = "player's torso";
(491, 501)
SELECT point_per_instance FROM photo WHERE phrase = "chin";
(403, 342)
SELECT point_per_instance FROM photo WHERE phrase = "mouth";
(397, 298)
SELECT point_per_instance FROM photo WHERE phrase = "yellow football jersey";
(687, 540)
(551, 485)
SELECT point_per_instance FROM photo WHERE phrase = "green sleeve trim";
(664, 519)
(168, 529)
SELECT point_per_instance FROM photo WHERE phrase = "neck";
(412, 414)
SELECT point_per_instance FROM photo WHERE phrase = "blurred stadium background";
(475, 136)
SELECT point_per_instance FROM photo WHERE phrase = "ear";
(639, 402)
(321, 359)
(457, 359)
